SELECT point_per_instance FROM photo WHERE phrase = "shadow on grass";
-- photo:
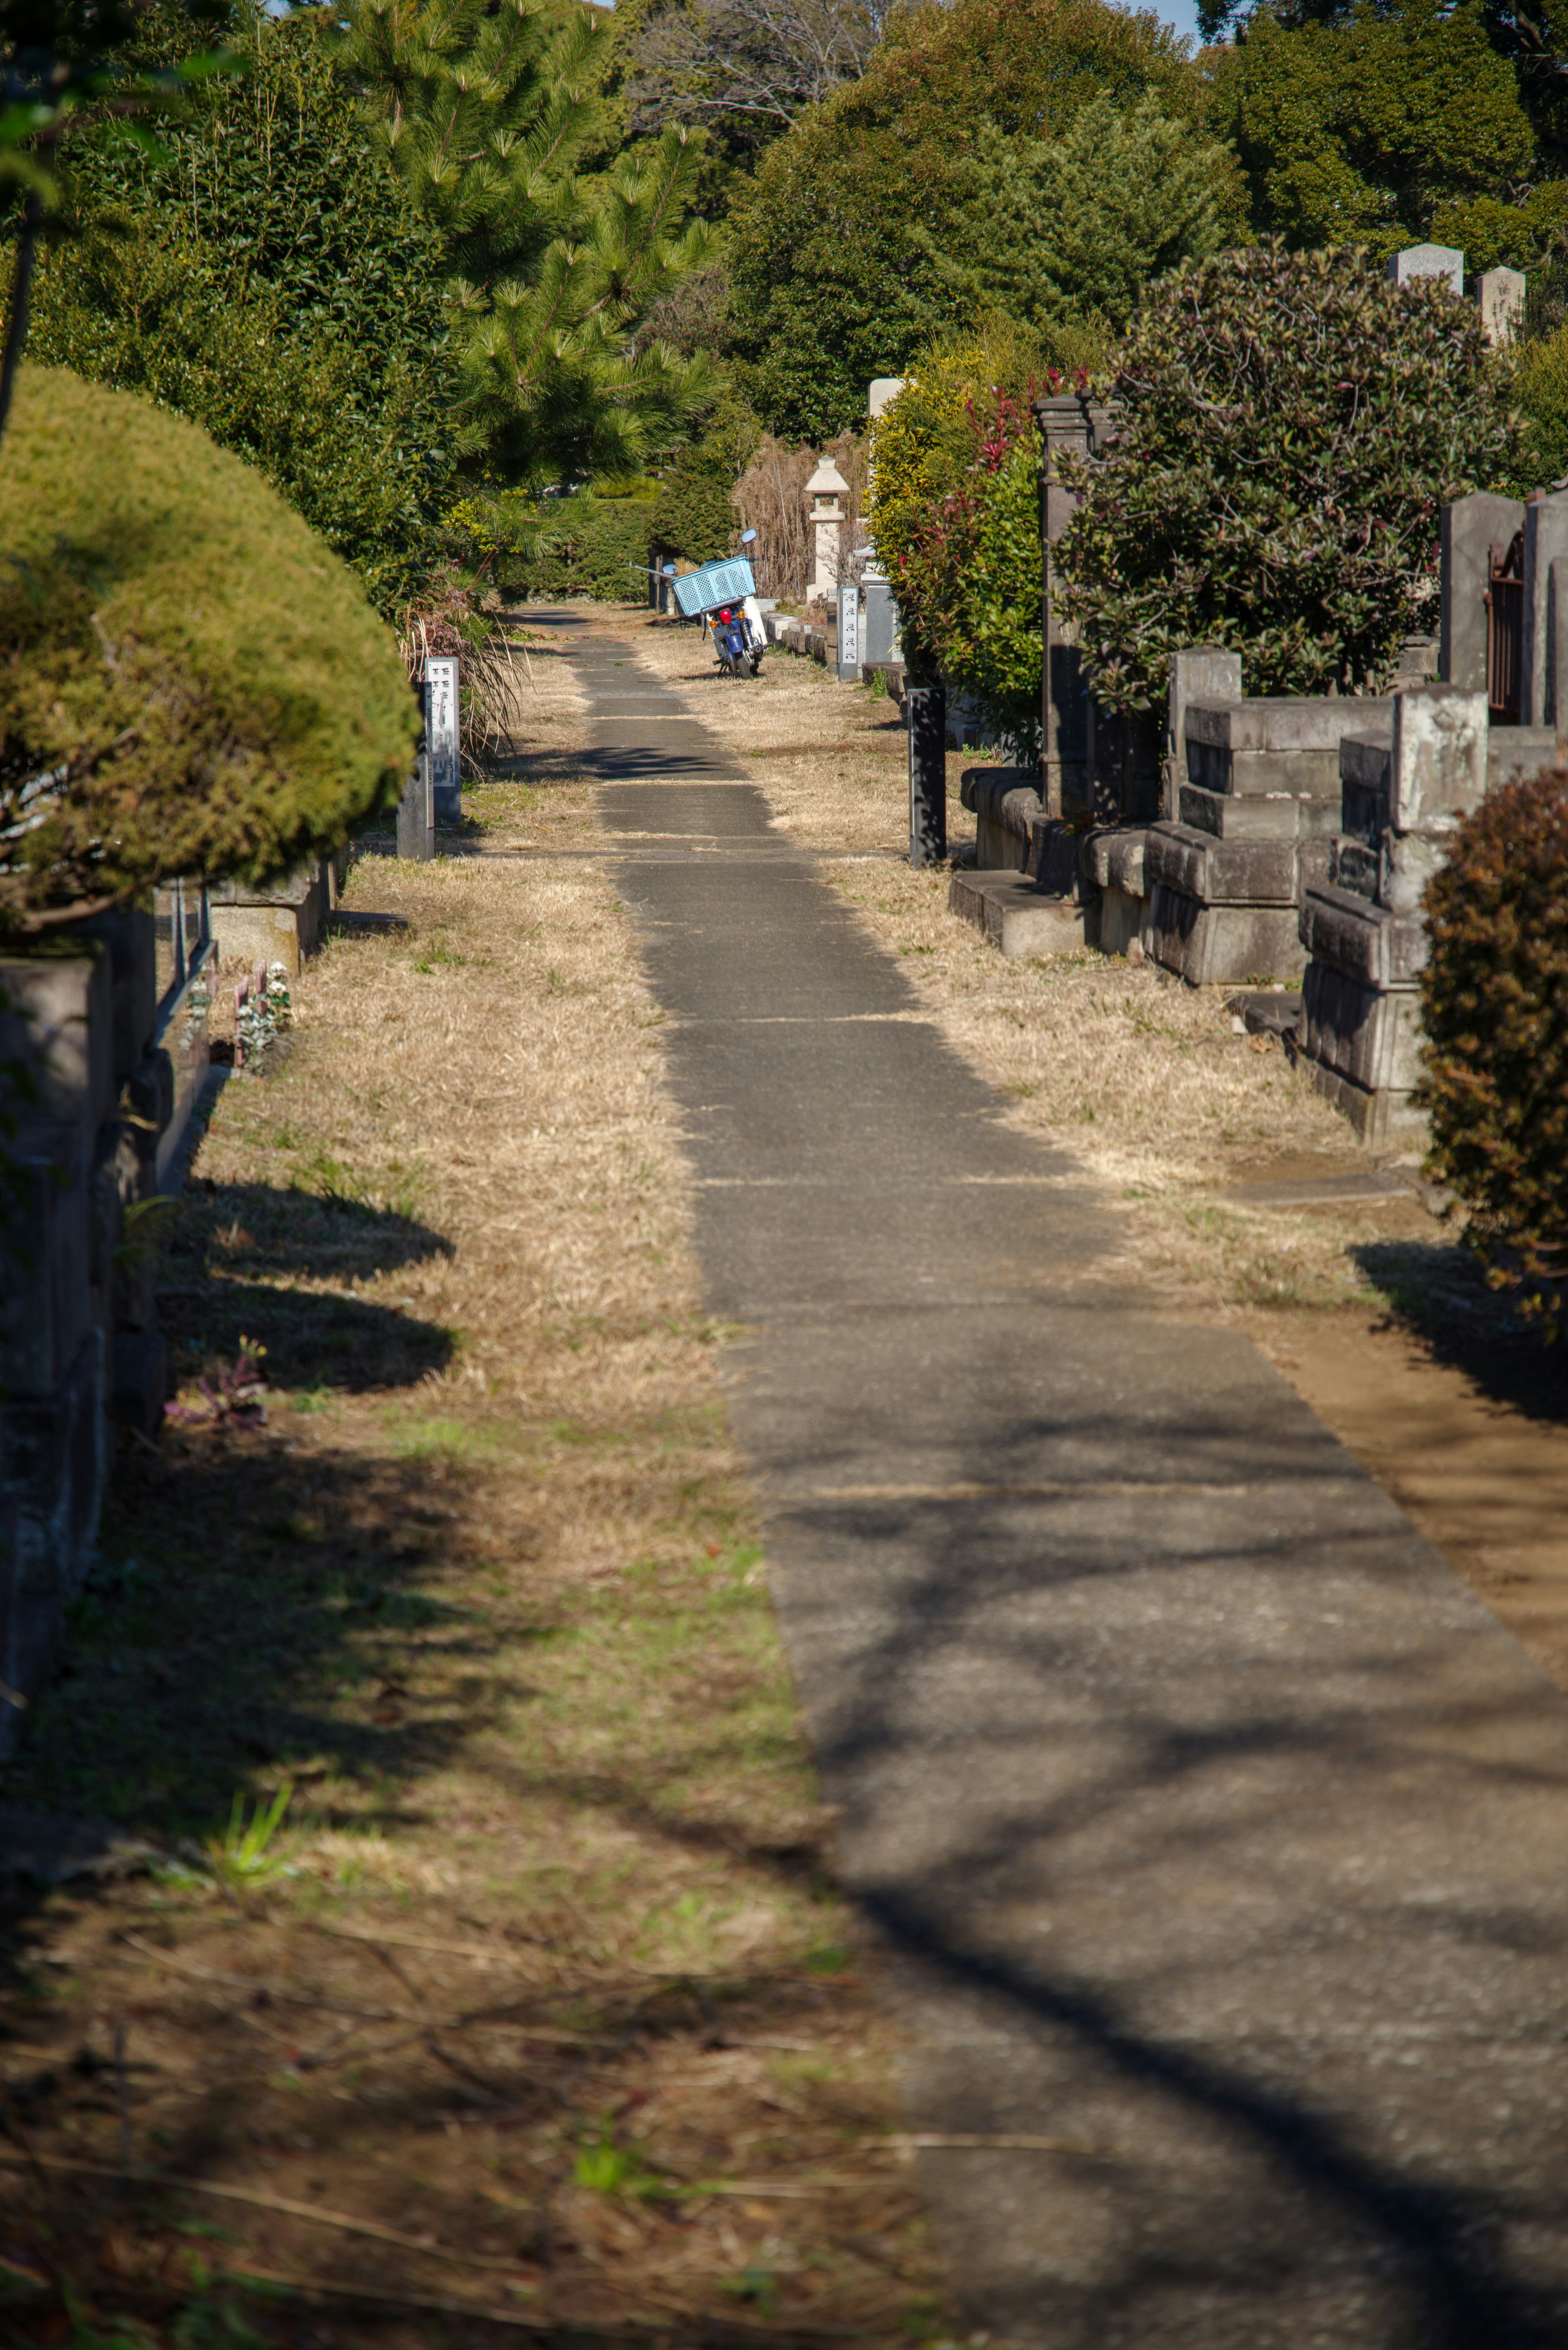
(1438, 1291)
(233, 1267)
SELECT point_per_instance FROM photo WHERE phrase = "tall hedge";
(191, 681)
(1291, 425)
(1494, 1005)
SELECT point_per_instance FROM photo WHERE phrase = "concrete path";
(1218, 1836)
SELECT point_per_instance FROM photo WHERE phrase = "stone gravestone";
(1428, 261)
(849, 630)
(441, 737)
(1471, 527)
(1500, 297)
(882, 641)
(1545, 541)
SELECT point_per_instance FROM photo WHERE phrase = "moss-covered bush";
(1494, 1002)
(1291, 425)
(190, 680)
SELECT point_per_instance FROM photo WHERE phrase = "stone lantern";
(826, 488)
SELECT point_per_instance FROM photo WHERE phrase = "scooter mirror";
(747, 537)
(669, 570)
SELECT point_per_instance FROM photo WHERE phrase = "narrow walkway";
(1217, 1836)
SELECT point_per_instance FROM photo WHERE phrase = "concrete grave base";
(270, 926)
(1380, 1117)
(1009, 912)
(1123, 919)
(1213, 944)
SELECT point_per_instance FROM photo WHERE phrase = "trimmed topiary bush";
(1494, 1002)
(1291, 424)
(190, 682)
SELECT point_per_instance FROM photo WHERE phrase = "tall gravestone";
(441, 742)
(1545, 543)
(1471, 527)
(1070, 426)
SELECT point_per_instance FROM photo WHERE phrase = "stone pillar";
(881, 393)
(824, 489)
(1545, 540)
(1428, 261)
(1070, 425)
(1200, 673)
(1470, 528)
(1499, 294)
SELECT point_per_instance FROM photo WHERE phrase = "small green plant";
(604, 2166)
(243, 1853)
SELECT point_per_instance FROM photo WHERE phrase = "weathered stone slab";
(1012, 915)
(1370, 944)
(1516, 752)
(1545, 541)
(1380, 1120)
(1437, 755)
(1228, 815)
(1369, 1035)
(1416, 260)
(1200, 673)
(1286, 721)
(1053, 856)
(1209, 945)
(1470, 528)
(1006, 803)
(281, 925)
(1126, 855)
(1220, 872)
(59, 1025)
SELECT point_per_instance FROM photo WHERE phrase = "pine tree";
(483, 111)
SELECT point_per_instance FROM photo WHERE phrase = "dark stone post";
(928, 774)
(414, 814)
(1071, 425)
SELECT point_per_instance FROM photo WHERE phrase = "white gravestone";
(1428, 261)
(849, 630)
(441, 737)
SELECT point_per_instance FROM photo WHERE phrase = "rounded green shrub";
(190, 682)
(1291, 424)
(1494, 1003)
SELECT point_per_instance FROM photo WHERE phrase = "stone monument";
(826, 489)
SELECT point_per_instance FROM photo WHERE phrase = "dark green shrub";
(692, 514)
(1291, 425)
(592, 546)
(1494, 1002)
(190, 680)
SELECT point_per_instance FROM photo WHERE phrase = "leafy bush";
(592, 547)
(956, 520)
(1494, 1003)
(692, 514)
(1291, 425)
(190, 681)
(1541, 398)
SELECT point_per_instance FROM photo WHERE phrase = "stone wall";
(103, 1033)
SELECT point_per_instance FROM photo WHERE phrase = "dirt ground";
(1373, 1309)
(537, 2010)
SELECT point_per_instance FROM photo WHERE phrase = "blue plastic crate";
(714, 583)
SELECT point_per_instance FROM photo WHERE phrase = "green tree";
(1291, 424)
(1357, 131)
(846, 241)
(260, 272)
(481, 110)
(1080, 225)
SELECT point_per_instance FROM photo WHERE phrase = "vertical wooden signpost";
(441, 737)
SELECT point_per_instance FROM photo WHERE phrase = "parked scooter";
(737, 638)
(724, 595)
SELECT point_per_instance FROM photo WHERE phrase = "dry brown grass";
(560, 1990)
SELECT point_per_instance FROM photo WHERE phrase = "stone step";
(1009, 910)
